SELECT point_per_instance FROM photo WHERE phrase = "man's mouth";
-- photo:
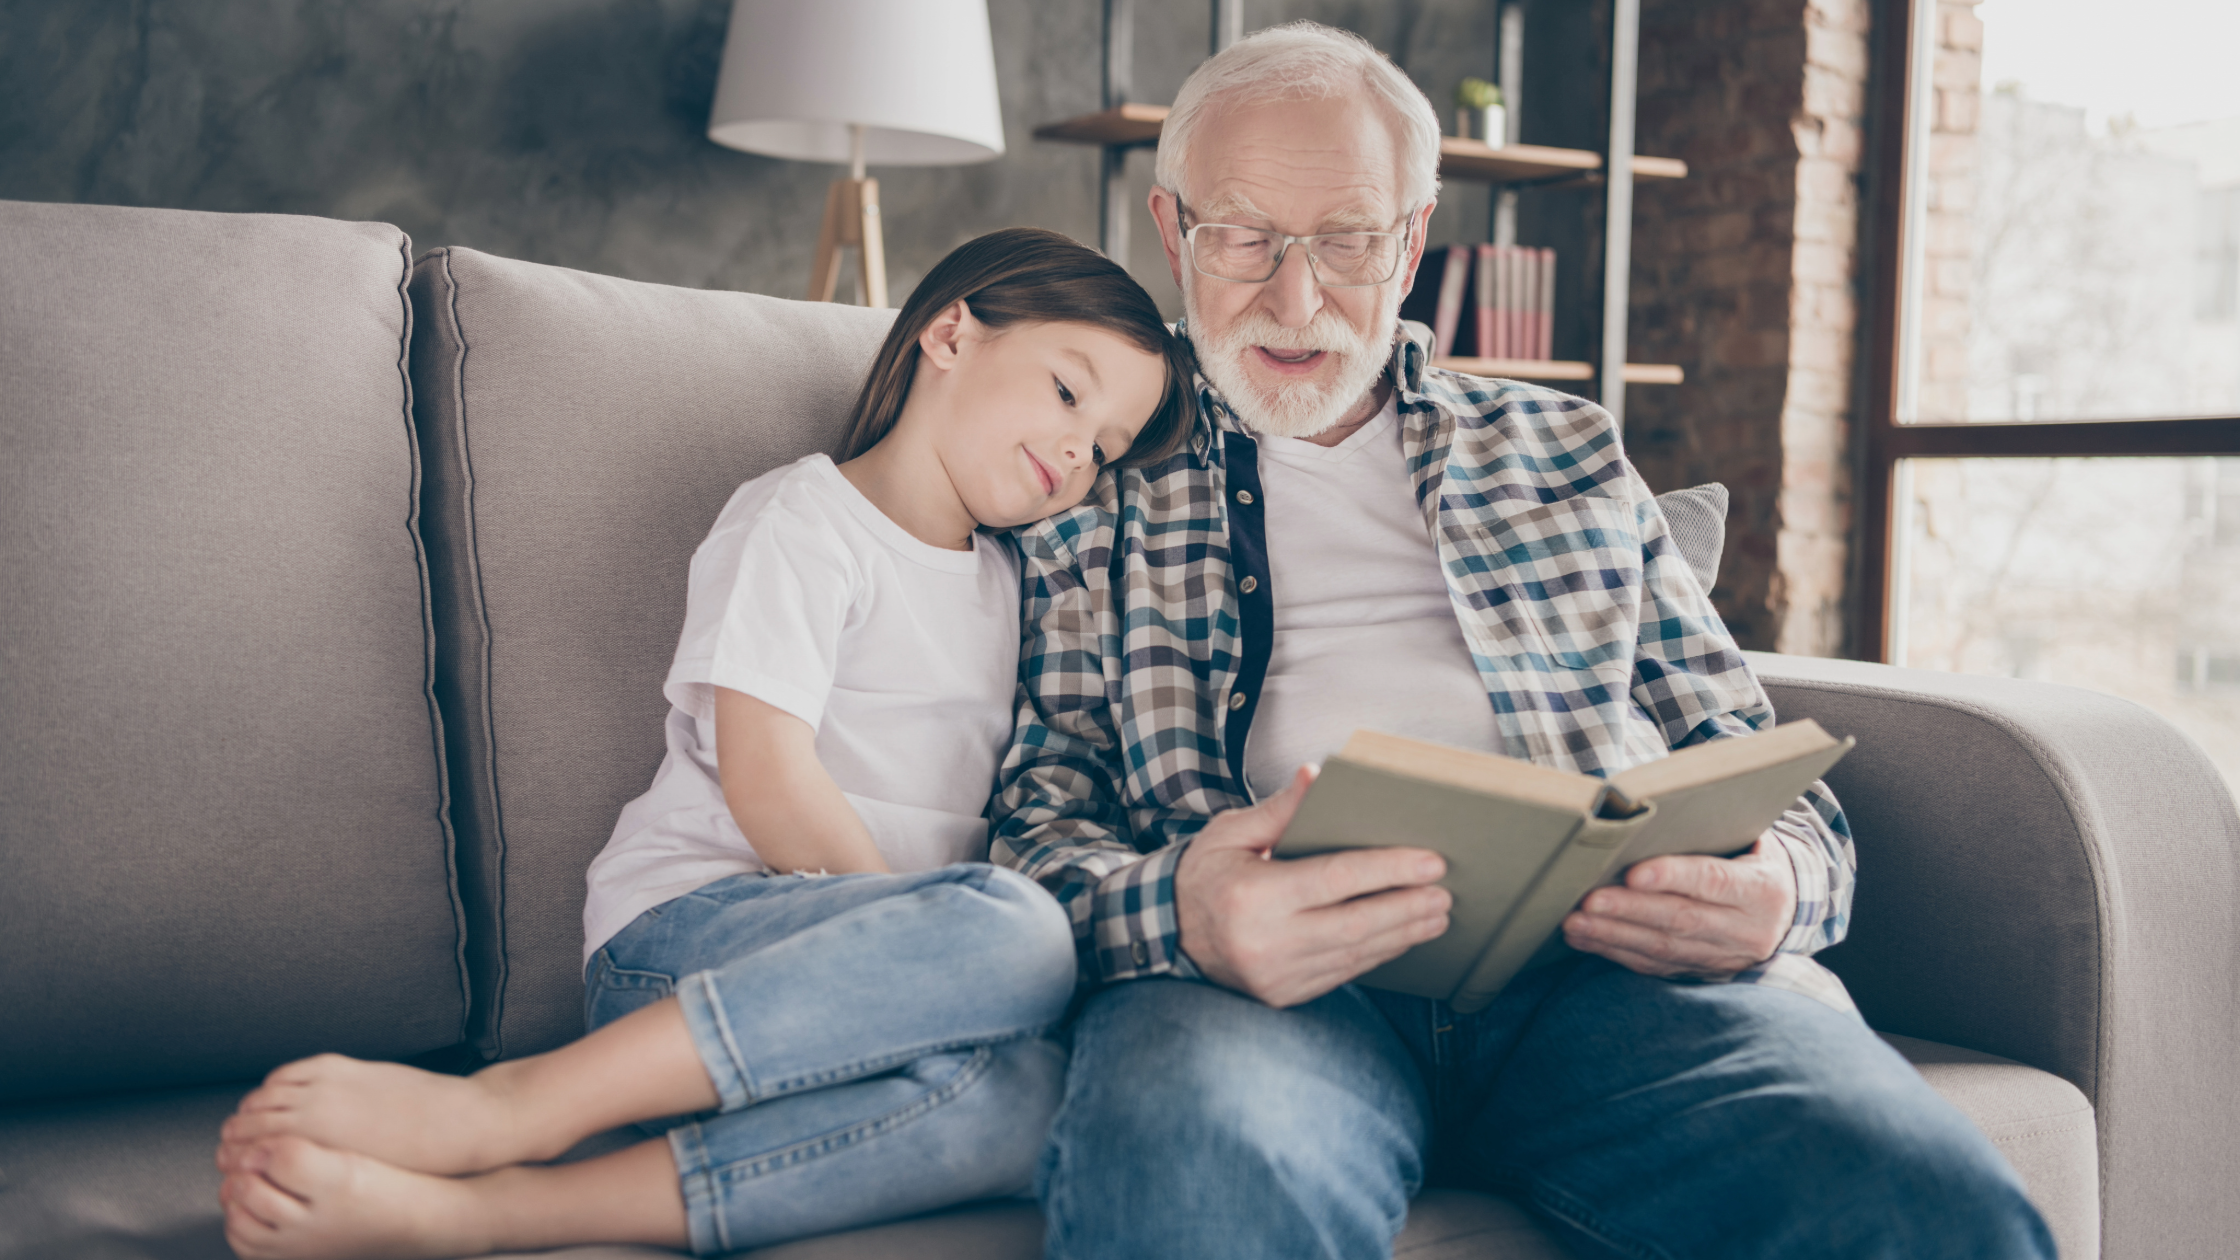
(1289, 362)
(1044, 471)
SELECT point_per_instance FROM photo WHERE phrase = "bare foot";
(399, 1115)
(289, 1198)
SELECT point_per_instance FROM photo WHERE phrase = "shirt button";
(1140, 952)
(1244, 497)
(1249, 585)
(1236, 700)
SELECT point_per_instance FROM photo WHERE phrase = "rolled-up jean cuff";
(712, 1040)
(703, 1206)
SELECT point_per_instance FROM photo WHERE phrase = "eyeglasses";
(1339, 260)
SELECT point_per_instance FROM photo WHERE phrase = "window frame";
(1882, 440)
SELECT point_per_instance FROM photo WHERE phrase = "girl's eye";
(1096, 453)
(1065, 395)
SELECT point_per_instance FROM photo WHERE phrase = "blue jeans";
(875, 1042)
(1638, 1117)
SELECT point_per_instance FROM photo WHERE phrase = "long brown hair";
(1027, 275)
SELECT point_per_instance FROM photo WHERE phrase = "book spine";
(1452, 282)
(1574, 871)
(1485, 302)
(1503, 262)
(1546, 316)
(1520, 284)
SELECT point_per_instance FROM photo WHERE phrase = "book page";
(1721, 759)
(1484, 773)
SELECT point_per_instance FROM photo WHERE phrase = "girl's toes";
(250, 1196)
(297, 1165)
(248, 1126)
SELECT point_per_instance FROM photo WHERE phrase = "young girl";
(857, 1045)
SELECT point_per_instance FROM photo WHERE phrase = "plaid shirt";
(1144, 651)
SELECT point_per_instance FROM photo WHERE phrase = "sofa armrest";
(2051, 875)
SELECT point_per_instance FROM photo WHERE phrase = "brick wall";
(1745, 274)
(1948, 245)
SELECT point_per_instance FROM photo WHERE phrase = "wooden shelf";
(1123, 124)
(1522, 163)
(1559, 370)
(1137, 124)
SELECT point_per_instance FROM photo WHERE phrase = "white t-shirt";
(903, 656)
(1366, 632)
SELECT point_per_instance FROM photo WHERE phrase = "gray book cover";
(1524, 843)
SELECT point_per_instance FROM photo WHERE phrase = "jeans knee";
(1004, 937)
(1027, 927)
(1911, 1162)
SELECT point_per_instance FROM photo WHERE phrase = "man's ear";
(1166, 211)
(944, 339)
(1419, 230)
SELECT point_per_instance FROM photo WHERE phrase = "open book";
(1524, 843)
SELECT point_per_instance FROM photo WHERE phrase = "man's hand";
(1289, 932)
(1691, 916)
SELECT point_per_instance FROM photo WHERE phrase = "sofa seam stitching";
(428, 656)
(484, 715)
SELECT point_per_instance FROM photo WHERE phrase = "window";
(2051, 485)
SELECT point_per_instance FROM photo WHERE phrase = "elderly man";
(1354, 538)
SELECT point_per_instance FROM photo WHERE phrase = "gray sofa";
(338, 592)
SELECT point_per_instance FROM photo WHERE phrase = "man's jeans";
(1641, 1118)
(875, 1041)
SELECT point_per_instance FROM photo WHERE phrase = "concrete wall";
(573, 132)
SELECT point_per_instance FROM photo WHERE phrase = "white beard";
(1298, 409)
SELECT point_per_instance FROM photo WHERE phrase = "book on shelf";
(1441, 294)
(1493, 301)
(1525, 842)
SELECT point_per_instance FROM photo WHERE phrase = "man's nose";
(1293, 295)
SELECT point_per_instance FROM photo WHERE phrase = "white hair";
(1307, 61)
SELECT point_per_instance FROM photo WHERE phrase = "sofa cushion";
(131, 1178)
(581, 433)
(221, 781)
(2053, 875)
(2041, 1123)
(1697, 517)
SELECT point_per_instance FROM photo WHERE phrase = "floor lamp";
(866, 82)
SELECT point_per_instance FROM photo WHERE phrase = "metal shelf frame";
(1126, 125)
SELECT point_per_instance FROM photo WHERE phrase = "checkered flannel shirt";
(1145, 646)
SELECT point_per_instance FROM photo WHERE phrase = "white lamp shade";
(918, 75)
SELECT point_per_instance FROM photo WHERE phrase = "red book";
(1544, 336)
(1484, 303)
(1442, 281)
(1498, 304)
(1527, 288)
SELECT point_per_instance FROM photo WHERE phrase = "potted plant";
(1480, 113)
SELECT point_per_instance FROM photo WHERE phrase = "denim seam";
(701, 1194)
(1572, 1210)
(712, 1007)
(801, 1152)
(878, 1064)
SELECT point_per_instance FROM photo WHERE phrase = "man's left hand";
(1691, 916)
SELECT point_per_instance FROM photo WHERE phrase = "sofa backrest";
(223, 836)
(581, 433)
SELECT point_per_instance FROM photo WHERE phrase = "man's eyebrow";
(1357, 219)
(1229, 205)
(1088, 365)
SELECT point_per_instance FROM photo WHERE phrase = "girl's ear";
(946, 336)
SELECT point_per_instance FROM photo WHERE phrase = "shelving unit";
(1136, 126)
(1123, 126)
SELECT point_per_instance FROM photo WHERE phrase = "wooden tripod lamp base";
(851, 220)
